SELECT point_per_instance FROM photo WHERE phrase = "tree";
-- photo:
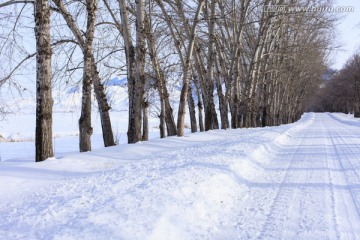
(85, 118)
(210, 113)
(339, 91)
(186, 61)
(166, 116)
(44, 101)
(92, 75)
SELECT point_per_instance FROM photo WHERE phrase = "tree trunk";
(356, 100)
(200, 108)
(85, 118)
(145, 136)
(169, 117)
(210, 113)
(192, 113)
(103, 107)
(44, 101)
(85, 128)
(357, 110)
(135, 58)
(201, 117)
(140, 72)
(162, 125)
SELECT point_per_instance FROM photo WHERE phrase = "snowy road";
(317, 196)
(297, 181)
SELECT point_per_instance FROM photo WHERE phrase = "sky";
(348, 33)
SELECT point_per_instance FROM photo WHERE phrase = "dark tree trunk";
(133, 130)
(209, 113)
(162, 125)
(211, 121)
(234, 110)
(357, 110)
(103, 107)
(85, 119)
(145, 136)
(199, 104)
(192, 113)
(135, 58)
(44, 101)
(169, 118)
(215, 119)
(138, 87)
(201, 122)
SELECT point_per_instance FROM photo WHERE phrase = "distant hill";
(117, 82)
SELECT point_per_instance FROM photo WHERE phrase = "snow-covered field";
(17, 131)
(296, 181)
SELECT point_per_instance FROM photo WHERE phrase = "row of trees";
(340, 91)
(245, 66)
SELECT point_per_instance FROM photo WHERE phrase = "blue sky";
(348, 33)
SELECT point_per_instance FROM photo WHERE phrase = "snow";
(295, 181)
(17, 131)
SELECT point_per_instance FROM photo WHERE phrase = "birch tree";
(166, 115)
(44, 101)
(135, 57)
(210, 113)
(187, 72)
(186, 58)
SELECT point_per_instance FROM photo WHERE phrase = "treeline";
(238, 64)
(340, 92)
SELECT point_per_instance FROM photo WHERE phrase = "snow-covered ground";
(17, 131)
(296, 181)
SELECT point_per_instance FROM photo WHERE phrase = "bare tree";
(210, 113)
(44, 101)
(85, 119)
(187, 71)
(91, 69)
(339, 91)
(166, 110)
(135, 57)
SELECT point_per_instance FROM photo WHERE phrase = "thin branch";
(16, 2)
(3, 80)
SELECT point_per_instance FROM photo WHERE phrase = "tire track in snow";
(351, 229)
(271, 228)
(304, 206)
(330, 165)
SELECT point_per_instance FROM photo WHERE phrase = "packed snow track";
(296, 181)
